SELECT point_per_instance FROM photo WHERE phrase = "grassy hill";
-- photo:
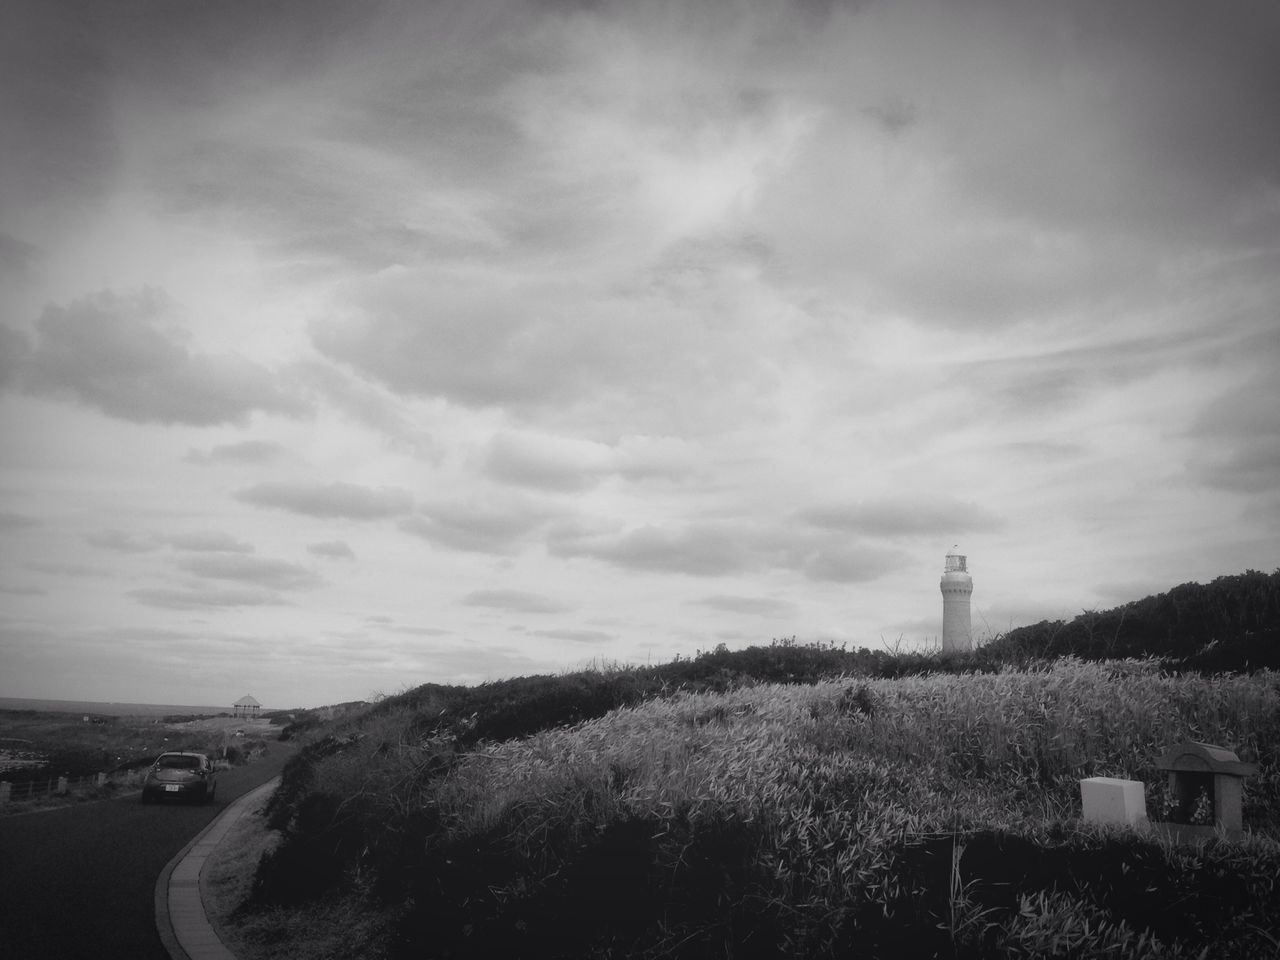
(797, 800)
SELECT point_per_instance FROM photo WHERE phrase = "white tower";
(957, 588)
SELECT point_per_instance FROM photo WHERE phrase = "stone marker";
(1205, 770)
(1108, 800)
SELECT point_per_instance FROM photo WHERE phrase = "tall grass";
(1036, 731)
(812, 819)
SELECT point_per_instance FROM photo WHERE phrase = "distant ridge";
(109, 709)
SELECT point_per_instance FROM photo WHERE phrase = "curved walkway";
(180, 918)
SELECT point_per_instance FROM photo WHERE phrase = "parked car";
(180, 774)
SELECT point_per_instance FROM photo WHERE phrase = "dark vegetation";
(359, 820)
(68, 745)
(1231, 624)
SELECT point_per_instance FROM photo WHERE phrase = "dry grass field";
(934, 814)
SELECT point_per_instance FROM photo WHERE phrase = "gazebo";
(246, 706)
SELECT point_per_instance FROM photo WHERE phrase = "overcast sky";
(348, 346)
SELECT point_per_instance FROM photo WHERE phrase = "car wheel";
(146, 797)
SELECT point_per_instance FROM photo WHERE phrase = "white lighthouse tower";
(957, 588)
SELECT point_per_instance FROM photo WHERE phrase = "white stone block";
(1108, 800)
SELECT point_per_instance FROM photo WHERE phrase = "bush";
(764, 800)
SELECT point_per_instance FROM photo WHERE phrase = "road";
(80, 881)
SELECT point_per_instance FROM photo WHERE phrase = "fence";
(27, 790)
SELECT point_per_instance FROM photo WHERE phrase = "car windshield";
(174, 761)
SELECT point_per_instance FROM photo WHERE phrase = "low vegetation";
(38, 746)
(784, 800)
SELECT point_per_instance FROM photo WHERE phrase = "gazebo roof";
(247, 701)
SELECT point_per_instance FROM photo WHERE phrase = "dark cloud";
(1043, 451)
(16, 256)
(328, 500)
(894, 114)
(14, 349)
(247, 451)
(478, 529)
(819, 549)
(1238, 437)
(928, 515)
(474, 346)
(122, 541)
(24, 591)
(55, 104)
(1253, 467)
(575, 636)
(523, 462)
(367, 403)
(16, 521)
(62, 569)
(1055, 378)
(333, 549)
(211, 541)
(754, 606)
(853, 564)
(698, 549)
(1141, 117)
(490, 341)
(420, 631)
(273, 574)
(203, 598)
(516, 601)
(113, 352)
(566, 465)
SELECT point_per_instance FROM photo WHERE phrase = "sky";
(348, 347)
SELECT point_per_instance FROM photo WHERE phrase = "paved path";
(79, 881)
(181, 922)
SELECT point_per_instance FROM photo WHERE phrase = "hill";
(1232, 623)
(794, 799)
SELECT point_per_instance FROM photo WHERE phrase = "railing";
(24, 791)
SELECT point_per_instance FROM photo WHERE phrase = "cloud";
(515, 601)
(122, 541)
(622, 358)
(24, 591)
(17, 257)
(1239, 439)
(419, 631)
(116, 353)
(333, 549)
(66, 569)
(926, 515)
(275, 574)
(201, 598)
(575, 636)
(724, 547)
(211, 541)
(568, 465)
(853, 564)
(345, 500)
(753, 606)
(369, 404)
(247, 451)
(16, 521)
(14, 349)
(700, 549)
(474, 527)
(546, 462)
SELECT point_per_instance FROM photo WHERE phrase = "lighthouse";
(957, 588)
